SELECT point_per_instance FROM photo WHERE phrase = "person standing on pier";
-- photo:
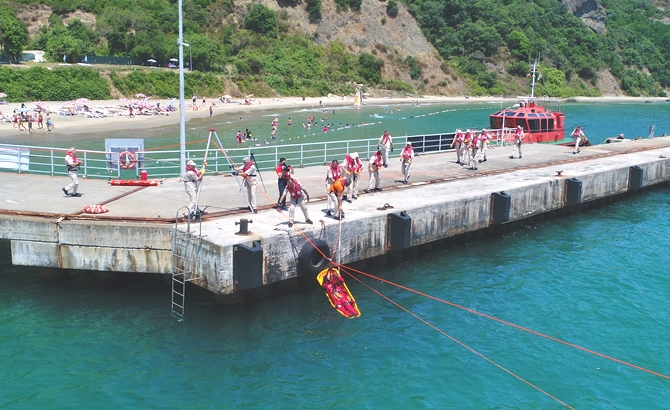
(333, 174)
(578, 135)
(406, 157)
(386, 145)
(352, 168)
(473, 152)
(518, 139)
(283, 172)
(299, 196)
(191, 179)
(72, 164)
(458, 143)
(484, 142)
(249, 172)
(373, 168)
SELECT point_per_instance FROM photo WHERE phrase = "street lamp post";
(190, 54)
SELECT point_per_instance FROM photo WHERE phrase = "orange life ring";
(95, 209)
(127, 160)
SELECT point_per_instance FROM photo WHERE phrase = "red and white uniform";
(406, 157)
(334, 173)
(577, 134)
(297, 196)
(352, 168)
(518, 139)
(373, 167)
(386, 144)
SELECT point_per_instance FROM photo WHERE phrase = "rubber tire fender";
(310, 258)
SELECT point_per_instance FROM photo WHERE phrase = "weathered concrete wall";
(437, 211)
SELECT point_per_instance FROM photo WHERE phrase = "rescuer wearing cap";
(373, 167)
(72, 164)
(406, 157)
(484, 141)
(385, 143)
(333, 174)
(249, 172)
(518, 139)
(298, 196)
(335, 192)
(352, 168)
(191, 178)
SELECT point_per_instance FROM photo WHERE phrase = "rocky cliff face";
(391, 39)
(590, 11)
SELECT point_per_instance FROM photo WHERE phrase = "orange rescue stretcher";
(337, 292)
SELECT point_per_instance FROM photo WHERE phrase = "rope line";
(484, 315)
(459, 342)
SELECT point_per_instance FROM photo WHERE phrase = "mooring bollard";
(244, 226)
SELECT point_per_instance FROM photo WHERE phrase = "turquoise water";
(599, 121)
(597, 278)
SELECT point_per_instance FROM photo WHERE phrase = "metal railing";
(165, 164)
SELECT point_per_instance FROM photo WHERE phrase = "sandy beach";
(81, 124)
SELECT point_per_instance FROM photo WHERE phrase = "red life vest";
(406, 152)
(334, 172)
(354, 165)
(296, 192)
(385, 138)
(518, 133)
(246, 167)
(460, 137)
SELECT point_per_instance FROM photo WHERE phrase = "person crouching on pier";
(249, 172)
(406, 157)
(518, 140)
(373, 168)
(191, 179)
(352, 169)
(335, 192)
(333, 174)
(72, 164)
(578, 135)
(299, 196)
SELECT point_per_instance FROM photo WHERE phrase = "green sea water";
(597, 279)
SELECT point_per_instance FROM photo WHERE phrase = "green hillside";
(254, 49)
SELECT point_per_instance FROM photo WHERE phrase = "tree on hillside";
(261, 20)
(13, 35)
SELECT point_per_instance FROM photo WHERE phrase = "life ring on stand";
(95, 209)
(195, 108)
(127, 160)
(311, 257)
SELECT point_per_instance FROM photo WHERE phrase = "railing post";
(216, 159)
(325, 152)
(52, 162)
(18, 161)
(302, 150)
(85, 166)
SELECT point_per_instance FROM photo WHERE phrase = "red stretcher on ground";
(337, 293)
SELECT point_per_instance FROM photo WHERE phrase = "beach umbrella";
(24, 109)
(249, 96)
(124, 100)
(68, 104)
(227, 96)
(174, 60)
(83, 101)
(39, 104)
(140, 95)
(151, 60)
(3, 95)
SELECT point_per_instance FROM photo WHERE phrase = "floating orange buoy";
(127, 160)
(95, 209)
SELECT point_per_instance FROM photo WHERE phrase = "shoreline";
(79, 124)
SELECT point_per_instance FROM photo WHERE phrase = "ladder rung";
(198, 278)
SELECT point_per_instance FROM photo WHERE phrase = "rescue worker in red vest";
(473, 151)
(333, 174)
(406, 157)
(335, 192)
(484, 142)
(578, 135)
(518, 139)
(298, 196)
(249, 172)
(385, 144)
(72, 164)
(352, 168)
(465, 147)
(191, 179)
(373, 168)
(283, 172)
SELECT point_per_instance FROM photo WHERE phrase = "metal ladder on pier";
(184, 247)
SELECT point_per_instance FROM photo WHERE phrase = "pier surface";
(442, 200)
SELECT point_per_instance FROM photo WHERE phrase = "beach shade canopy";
(39, 104)
(151, 60)
(249, 96)
(140, 95)
(124, 100)
(174, 60)
(23, 109)
(83, 101)
(227, 96)
(68, 104)
(3, 95)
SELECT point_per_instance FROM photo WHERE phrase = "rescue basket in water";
(337, 293)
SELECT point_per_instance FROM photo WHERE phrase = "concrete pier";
(443, 200)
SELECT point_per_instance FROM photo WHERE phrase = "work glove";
(391, 149)
(378, 147)
(307, 198)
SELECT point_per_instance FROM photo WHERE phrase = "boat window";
(509, 122)
(544, 125)
(551, 124)
(521, 114)
(532, 115)
(495, 124)
(534, 125)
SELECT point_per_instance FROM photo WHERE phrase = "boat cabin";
(539, 122)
